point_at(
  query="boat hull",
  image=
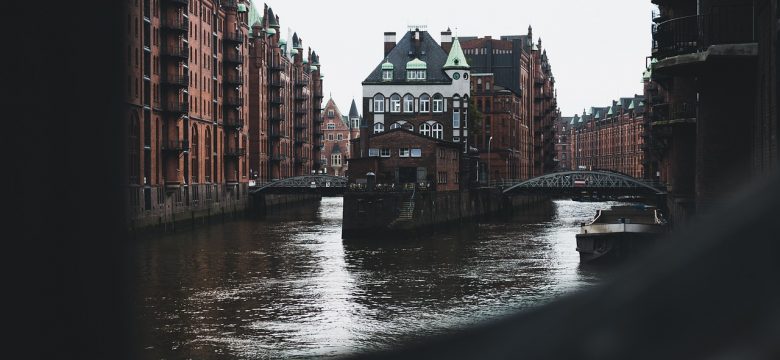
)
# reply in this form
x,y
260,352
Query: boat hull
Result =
x,y
613,246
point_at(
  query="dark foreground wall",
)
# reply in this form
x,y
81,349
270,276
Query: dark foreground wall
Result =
x,y
379,214
266,203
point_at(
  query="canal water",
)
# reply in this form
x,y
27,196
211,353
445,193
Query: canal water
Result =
x,y
287,286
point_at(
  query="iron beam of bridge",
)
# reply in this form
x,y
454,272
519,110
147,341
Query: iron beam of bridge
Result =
x,y
323,184
569,182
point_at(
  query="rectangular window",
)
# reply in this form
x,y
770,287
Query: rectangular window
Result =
x,y
331,126
403,152
373,152
387,75
339,137
442,177
456,139
330,137
416,152
456,119
384,152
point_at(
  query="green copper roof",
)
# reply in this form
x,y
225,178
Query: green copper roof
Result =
x,y
631,106
387,65
254,17
282,41
241,7
610,111
294,52
641,103
598,114
456,59
272,19
314,68
416,64
271,31
305,61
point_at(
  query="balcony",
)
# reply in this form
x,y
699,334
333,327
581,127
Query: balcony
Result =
x,y
275,83
233,79
234,123
232,58
178,25
234,101
234,152
674,113
301,97
176,80
175,145
236,37
276,100
177,107
689,34
276,118
301,126
178,52
301,83
276,67
301,110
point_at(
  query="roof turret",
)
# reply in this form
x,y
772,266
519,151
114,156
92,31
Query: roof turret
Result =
x,y
456,59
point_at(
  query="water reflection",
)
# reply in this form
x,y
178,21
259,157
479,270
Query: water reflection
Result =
x,y
287,286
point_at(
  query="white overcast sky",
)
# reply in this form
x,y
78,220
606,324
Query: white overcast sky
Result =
x,y
597,48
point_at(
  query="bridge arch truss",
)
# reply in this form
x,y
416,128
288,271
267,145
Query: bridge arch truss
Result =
x,y
305,183
576,181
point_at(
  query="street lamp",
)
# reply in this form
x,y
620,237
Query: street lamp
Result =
x,y
488,177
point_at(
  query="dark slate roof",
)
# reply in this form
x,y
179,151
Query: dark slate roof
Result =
x,y
272,19
353,112
430,52
345,120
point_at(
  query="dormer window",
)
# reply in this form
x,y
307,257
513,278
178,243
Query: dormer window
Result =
x,y
415,75
387,75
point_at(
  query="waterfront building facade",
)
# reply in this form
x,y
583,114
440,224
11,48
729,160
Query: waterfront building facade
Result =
x,y
714,109
517,105
336,135
286,85
562,143
610,138
186,85
418,87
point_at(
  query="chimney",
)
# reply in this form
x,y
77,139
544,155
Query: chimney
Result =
x,y
446,40
389,42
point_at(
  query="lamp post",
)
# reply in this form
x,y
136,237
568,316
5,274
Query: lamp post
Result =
x,y
488,177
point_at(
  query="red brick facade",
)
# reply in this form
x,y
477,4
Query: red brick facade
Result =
x,y
398,157
336,134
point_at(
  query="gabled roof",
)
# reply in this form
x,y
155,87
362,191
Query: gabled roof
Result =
x,y
412,133
430,52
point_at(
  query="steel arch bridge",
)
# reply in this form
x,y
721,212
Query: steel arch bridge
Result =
x,y
323,184
570,182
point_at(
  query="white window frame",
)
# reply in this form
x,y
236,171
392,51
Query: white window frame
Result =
x,y
425,103
395,103
437,131
373,152
403,152
395,125
387,75
384,152
416,153
379,127
379,104
425,129
438,103
455,118
408,103
339,136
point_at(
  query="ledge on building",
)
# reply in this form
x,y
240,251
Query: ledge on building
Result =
x,y
685,62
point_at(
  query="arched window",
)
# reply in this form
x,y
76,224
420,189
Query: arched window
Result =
x,y
438,103
438,131
408,126
207,155
395,103
425,129
379,127
425,103
194,155
379,103
395,125
408,103
135,160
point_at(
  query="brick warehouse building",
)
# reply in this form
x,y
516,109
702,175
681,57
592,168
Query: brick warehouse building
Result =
x,y
610,138
185,91
515,96
714,103
286,86
337,131
419,87
213,105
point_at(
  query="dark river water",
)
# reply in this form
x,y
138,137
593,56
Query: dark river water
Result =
x,y
287,286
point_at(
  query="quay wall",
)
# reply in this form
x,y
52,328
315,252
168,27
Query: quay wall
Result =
x,y
378,214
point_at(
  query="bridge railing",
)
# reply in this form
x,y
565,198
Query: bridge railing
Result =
x,y
392,187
